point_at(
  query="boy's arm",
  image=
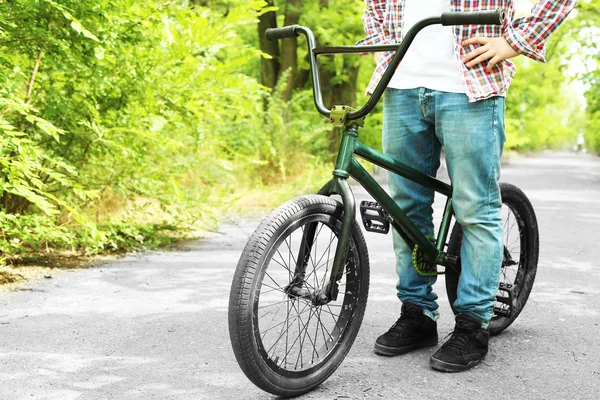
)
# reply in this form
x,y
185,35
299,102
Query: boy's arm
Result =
x,y
525,35
373,23
528,35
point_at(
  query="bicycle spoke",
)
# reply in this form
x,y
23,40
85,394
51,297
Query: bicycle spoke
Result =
x,y
287,321
312,360
331,238
273,280
303,336
273,289
299,358
306,326
327,265
272,319
315,242
299,320
318,264
512,244
274,346
293,343
286,332
314,272
324,329
332,314
289,246
272,304
291,274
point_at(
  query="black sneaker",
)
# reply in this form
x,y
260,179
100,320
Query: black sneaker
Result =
x,y
467,346
413,330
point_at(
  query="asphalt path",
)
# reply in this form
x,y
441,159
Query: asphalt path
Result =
x,y
154,326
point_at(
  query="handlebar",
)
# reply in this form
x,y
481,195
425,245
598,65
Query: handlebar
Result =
x,y
281,33
495,17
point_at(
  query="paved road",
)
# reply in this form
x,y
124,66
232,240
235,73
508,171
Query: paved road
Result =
x,y
155,326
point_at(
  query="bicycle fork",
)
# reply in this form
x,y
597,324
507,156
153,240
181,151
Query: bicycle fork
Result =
x,y
338,185
330,290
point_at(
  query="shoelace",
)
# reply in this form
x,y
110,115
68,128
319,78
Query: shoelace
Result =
x,y
459,339
402,323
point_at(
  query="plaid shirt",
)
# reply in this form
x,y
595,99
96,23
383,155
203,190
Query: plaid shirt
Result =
x,y
382,20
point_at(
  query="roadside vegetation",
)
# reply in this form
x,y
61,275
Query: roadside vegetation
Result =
x,y
130,125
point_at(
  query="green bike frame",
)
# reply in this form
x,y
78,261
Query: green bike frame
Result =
x,y
347,166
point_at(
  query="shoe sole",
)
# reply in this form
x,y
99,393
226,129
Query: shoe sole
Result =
x,y
444,366
398,351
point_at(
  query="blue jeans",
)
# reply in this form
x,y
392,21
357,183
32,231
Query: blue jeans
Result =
x,y
416,124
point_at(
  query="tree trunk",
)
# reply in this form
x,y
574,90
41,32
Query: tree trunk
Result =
x,y
289,47
269,68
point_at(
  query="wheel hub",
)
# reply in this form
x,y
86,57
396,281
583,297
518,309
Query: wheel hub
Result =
x,y
317,297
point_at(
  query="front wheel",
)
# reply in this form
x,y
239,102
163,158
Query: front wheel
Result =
x,y
285,340
519,264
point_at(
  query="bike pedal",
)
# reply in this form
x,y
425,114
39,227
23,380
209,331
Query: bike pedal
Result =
x,y
507,300
374,217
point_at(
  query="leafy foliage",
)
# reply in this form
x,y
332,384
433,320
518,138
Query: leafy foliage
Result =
x,y
111,104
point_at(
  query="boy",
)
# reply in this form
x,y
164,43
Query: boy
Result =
x,y
449,91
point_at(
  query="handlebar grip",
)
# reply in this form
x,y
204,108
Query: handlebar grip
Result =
x,y
495,17
281,33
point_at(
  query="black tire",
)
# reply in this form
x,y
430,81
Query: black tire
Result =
x,y
261,313
520,256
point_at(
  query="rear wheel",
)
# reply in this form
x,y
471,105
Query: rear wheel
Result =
x,y
285,338
519,265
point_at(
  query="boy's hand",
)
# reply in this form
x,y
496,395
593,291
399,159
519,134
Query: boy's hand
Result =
x,y
497,49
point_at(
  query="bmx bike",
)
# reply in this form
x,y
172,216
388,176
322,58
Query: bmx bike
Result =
x,y
300,289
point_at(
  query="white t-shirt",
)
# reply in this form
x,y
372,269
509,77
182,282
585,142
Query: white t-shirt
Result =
x,y
430,61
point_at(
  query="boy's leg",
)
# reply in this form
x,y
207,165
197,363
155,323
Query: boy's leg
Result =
x,y
409,136
473,138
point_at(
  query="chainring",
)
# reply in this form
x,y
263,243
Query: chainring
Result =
x,y
424,268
